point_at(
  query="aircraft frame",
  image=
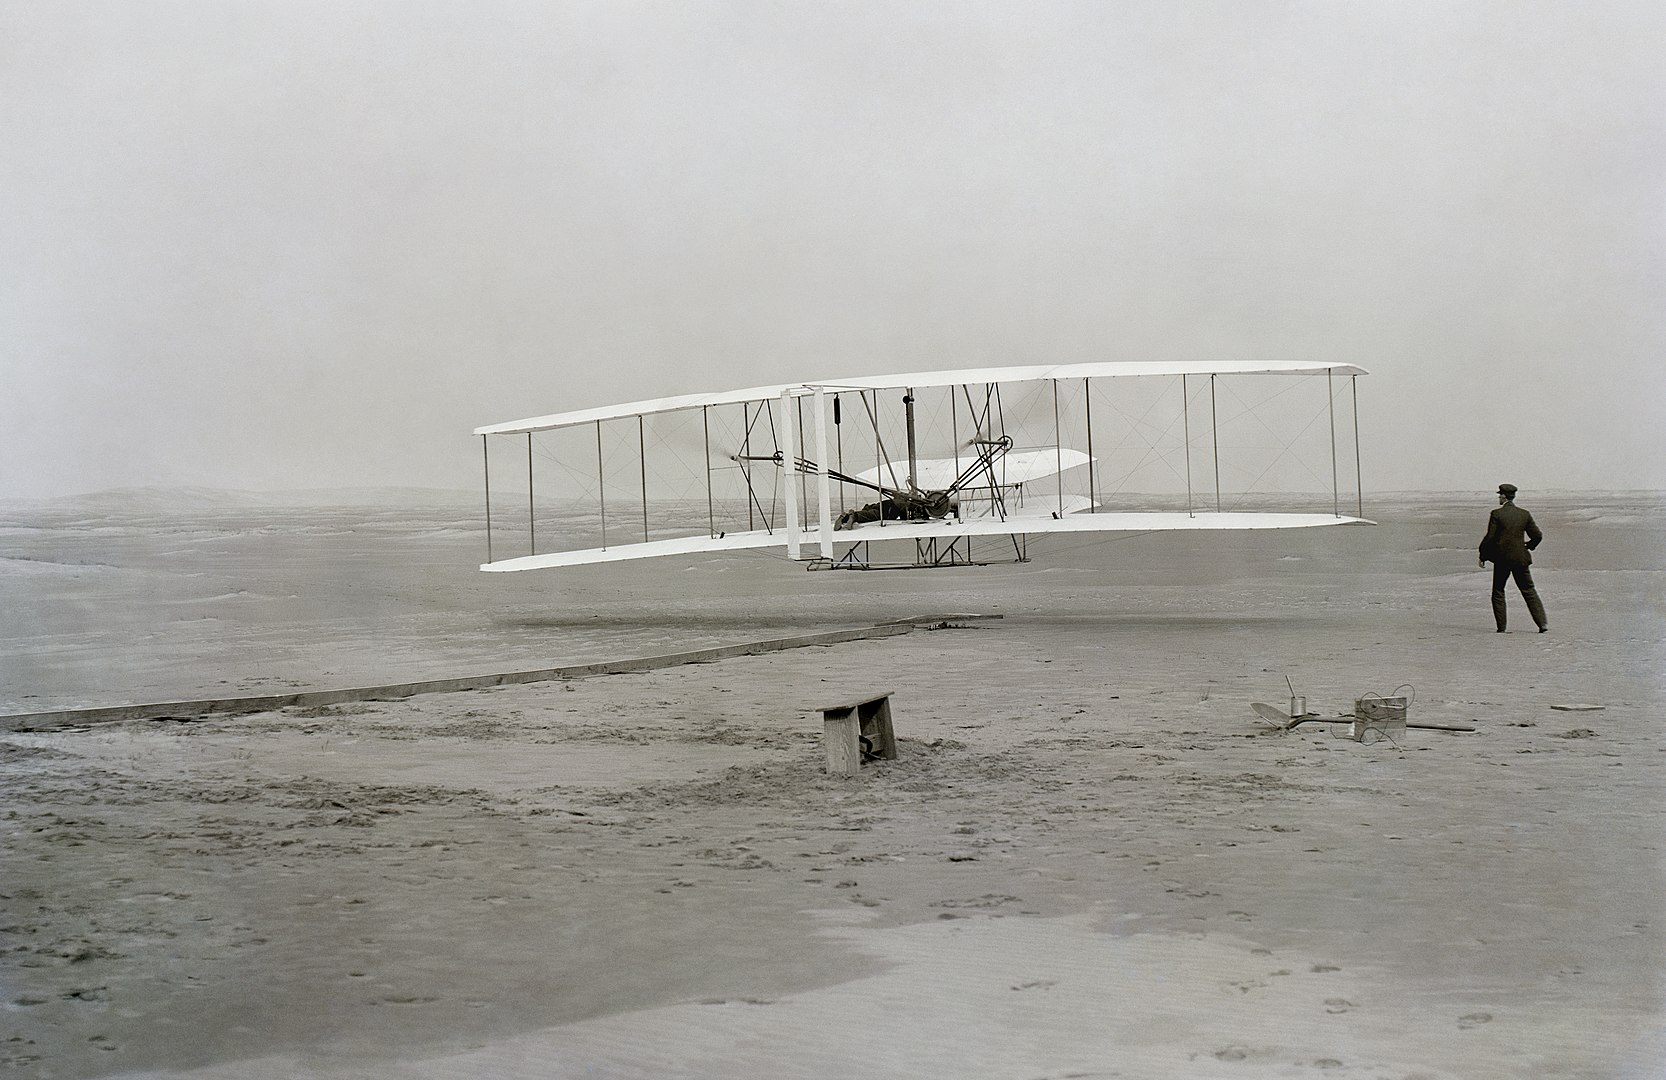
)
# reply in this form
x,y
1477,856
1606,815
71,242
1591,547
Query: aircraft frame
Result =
x,y
792,447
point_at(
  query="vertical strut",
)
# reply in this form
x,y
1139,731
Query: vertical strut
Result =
x,y
878,453
1058,448
642,459
954,430
1359,477
839,439
601,483
706,432
531,505
1087,397
746,451
1335,490
1215,434
1186,420
803,492
789,462
824,498
486,458
908,417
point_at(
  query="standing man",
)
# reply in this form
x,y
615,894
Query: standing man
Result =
x,y
1511,535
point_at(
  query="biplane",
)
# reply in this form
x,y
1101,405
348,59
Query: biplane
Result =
x,y
931,469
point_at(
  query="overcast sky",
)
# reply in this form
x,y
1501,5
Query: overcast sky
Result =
x,y
310,244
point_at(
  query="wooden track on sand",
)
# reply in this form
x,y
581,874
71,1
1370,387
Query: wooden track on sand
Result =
x,y
183,710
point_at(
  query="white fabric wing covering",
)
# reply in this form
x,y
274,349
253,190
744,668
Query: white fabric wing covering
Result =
x,y
968,376
1016,467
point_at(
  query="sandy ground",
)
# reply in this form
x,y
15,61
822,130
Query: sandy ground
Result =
x,y
1089,860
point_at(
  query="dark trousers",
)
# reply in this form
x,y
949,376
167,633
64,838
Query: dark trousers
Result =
x,y
1501,573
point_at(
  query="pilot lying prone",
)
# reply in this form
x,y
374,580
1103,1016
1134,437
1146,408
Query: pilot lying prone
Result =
x,y
922,507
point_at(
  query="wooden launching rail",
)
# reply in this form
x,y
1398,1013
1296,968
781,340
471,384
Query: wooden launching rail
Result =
x,y
57,718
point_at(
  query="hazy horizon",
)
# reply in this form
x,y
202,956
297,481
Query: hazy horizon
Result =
x,y
303,497
280,246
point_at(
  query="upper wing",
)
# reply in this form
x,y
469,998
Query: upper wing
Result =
x,y
1107,370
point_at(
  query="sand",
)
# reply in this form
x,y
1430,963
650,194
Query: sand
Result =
x,y
1090,859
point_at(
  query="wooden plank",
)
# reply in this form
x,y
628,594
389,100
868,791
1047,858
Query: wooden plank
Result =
x,y
847,702
841,739
37,721
875,718
857,731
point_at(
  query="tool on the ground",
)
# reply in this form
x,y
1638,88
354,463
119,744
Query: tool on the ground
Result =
x,y
1273,715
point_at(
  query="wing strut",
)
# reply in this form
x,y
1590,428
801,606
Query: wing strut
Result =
x,y
1186,415
752,500
908,416
1087,399
1335,489
642,458
486,458
1215,434
824,498
706,435
1058,445
601,483
789,482
1359,476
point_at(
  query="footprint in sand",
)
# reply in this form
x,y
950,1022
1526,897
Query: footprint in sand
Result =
x,y
1473,1020
1338,1005
94,993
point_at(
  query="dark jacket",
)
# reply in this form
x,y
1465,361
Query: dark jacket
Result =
x,y
1511,534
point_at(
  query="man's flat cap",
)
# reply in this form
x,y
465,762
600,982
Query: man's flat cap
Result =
x,y
1506,489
